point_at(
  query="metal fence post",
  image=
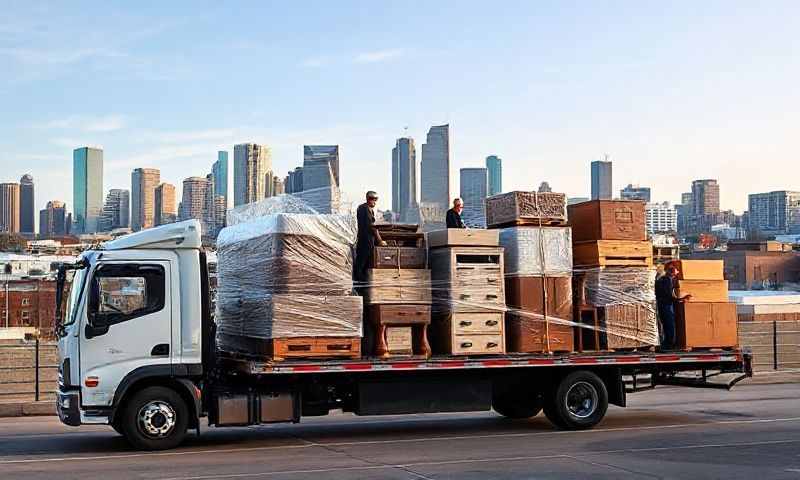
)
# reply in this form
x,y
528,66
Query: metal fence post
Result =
x,y
36,367
775,344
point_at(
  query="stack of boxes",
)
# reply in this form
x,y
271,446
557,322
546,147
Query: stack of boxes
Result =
x,y
538,270
468,292
398,296
707,319
614,278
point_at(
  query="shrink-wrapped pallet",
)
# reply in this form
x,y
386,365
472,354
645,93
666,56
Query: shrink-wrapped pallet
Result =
x,y
537,251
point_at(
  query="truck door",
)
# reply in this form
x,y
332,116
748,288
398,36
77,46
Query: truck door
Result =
x,y
128,326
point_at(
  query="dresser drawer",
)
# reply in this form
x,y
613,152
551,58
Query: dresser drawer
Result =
x,y
472,323
477,344
399,257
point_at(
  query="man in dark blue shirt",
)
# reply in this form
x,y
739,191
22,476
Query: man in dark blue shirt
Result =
x,y
666,298
453,218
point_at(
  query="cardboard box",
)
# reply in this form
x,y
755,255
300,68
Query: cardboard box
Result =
x,y
608,220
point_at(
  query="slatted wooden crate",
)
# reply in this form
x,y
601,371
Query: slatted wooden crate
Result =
x,y
526,208
607,253
608,220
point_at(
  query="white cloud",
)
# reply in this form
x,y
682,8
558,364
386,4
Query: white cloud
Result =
x,y
379,55
34,56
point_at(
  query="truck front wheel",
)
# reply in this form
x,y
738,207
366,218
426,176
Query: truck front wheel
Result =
x,y
155,418
579,402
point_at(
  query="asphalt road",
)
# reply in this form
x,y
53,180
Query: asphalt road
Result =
x,y
750,432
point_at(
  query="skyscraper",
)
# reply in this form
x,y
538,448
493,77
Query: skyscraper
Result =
x,y
494,168
435,174
329,153
474,186
27,206
9,207
197,202
165,204
775,212
705,197
143,197
53,220
635,192
294,181
660,218
320,191
87,188
601,180
404,177
116,210
544,187
220,172
251,162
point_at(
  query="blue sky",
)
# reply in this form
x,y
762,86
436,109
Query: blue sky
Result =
x,y
672,91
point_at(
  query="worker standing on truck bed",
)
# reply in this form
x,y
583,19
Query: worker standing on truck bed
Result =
x,y
368,237
453,218
666,298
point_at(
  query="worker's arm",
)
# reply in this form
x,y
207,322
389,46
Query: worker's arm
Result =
x,y
675,295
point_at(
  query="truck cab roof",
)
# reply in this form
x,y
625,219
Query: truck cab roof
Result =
x,y
180,235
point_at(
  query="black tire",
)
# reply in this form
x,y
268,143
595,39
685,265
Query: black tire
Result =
x,y
549,407
117,427
578,403
156,408
517,407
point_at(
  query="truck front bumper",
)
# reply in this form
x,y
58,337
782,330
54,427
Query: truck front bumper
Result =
x,y
68,408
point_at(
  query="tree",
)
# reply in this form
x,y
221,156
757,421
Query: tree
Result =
x,y
12,242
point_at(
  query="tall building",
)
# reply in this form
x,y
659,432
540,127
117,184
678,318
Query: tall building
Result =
x,y
116,210
9,207
328,153
53,220
193,201
660,218
435,168
294,181
775,212
474,187
277,187
251,162
165,204
635,192
544,187
87,188
220,172
404,177
601,180
27,206
494,168
143,197
320,191
705,197
220,208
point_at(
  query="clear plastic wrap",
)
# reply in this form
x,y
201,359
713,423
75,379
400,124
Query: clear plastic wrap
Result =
x,y
537,250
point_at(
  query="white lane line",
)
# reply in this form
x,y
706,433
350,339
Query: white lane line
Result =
x,y
484,460
399,441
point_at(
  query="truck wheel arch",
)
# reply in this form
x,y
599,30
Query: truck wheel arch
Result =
x,y
158,375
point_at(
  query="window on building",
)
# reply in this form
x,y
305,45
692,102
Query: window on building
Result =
x,y
25,316
26,301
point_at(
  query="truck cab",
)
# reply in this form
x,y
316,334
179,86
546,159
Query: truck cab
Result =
x,y
131,337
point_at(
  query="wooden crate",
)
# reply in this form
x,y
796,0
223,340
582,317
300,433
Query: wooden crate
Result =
x,y
704,290
526,208
608,220
463,237
706,325
397,330
400,257
468,278
387,286
699,269
526,332
278,349
468,333
628,326
607,253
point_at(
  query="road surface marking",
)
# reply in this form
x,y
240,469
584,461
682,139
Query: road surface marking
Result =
x,y
400,440
404,466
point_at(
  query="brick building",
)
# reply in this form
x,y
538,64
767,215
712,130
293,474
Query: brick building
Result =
x,y
28,303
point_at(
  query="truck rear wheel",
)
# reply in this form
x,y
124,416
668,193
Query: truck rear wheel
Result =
x,y
517,406
579,401
155,418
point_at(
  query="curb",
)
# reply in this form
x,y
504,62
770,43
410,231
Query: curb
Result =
x,y
27,409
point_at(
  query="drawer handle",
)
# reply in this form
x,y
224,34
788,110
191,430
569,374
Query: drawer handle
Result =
x,y
465,323
466,344
491,295
491,323
465,295
339,347
387,257
491,345
491,279
299,348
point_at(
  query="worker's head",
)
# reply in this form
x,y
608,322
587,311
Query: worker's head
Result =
x,y
372,198
458,205
672,271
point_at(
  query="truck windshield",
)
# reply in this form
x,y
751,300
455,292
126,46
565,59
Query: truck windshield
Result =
x,y
75,291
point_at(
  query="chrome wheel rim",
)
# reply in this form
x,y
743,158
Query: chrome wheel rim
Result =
x,y
582,399
156,419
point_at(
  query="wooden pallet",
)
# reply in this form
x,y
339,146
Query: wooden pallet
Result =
x,y
609,253
315,347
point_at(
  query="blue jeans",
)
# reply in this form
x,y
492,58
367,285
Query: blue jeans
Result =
x,y
666,312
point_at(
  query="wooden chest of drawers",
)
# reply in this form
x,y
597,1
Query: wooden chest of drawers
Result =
x,y
468,333
400,257
398,286
468,279
397,330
